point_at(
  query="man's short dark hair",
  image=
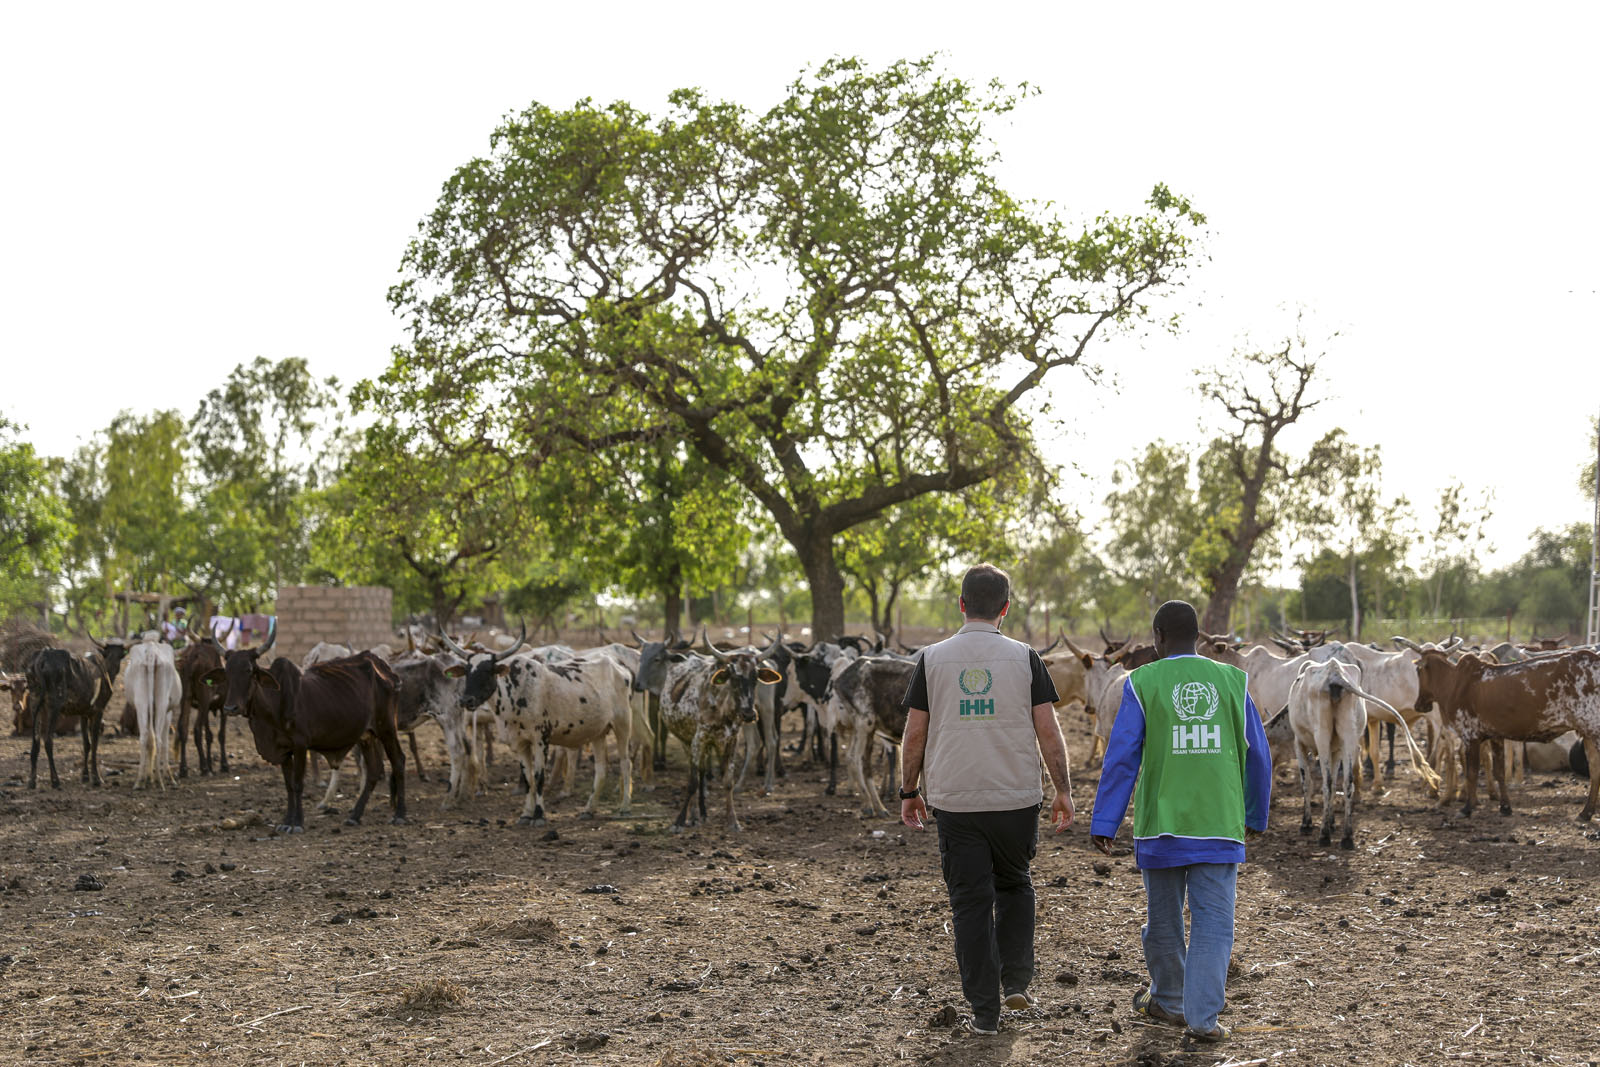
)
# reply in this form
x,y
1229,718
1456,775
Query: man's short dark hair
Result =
x,y
986,589
1177,620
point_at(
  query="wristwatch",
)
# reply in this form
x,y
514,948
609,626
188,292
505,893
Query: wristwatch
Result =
x,y
910,794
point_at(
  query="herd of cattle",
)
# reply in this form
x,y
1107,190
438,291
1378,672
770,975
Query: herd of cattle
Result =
x,y
1325,701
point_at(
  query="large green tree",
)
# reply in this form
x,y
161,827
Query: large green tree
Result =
x,y
835,302
1154,518
34,526
1248,486
262,439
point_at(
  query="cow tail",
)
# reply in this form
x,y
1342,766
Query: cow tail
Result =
x,y
1418,760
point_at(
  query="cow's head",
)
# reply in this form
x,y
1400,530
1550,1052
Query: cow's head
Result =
x,y
655,659
813,669
112,653
1436,677
742,671
480,669
240,674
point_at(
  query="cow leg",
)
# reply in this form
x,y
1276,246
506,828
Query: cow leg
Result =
x,y
33,767
1388,766
326,803
533,756
1302,759
183,742
93,723
599,775
1329,770
287,826
1499,757
1348,841
1469,773
369,779
769,728
222,740
1592,750
416,757
682,820
200,723
833,763
626,768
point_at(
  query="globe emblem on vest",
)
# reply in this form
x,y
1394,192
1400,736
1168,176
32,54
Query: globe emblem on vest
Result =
x,y
975,681
1195,701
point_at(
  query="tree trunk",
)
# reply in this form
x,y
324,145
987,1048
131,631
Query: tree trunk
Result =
x,y
826,582
1218,618
672,601
1355,601
872,604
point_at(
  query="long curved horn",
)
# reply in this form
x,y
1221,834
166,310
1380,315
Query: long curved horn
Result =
x,y
1121,650
636,636
453,647
1110,644
512,651
713,649
1453,642
1051,647
411,642
98,646
1406,642
272,638
1074,649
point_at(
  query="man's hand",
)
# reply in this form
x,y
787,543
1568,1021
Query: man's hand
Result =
x,y
1061,810
914,813
1102,843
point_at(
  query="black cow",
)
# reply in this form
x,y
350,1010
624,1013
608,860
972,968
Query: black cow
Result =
x,y
60,683
329,709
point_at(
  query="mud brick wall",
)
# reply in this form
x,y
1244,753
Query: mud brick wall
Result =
x,y
311,613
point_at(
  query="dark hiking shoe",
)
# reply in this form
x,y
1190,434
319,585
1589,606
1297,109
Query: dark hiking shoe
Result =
x,y
972,1026
1209,1037
1020,1001
1145,1005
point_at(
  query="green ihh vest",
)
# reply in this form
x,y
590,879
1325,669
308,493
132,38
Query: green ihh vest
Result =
x,y
1191,776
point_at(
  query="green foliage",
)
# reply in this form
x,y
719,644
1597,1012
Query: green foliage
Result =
x,y
1155,520
833,303
432,525
260,439
1350,517
34,525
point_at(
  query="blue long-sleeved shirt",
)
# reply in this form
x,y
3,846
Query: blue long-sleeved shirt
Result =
x,y
1124,753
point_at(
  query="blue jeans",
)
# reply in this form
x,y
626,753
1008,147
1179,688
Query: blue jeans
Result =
x,y
1190,980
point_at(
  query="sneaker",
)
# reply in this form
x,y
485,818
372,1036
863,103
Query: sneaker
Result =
x,y
1020,1001
1145,1005
1211,1036
972,1026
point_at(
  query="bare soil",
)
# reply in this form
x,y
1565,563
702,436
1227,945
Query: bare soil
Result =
x,y
813,937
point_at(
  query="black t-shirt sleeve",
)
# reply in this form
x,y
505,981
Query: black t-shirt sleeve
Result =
x,y
917,691
1043,686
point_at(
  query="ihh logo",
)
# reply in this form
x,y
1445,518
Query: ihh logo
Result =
x,y
1196,738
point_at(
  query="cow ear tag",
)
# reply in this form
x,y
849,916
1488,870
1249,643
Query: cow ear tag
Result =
x,y
721,677
768,676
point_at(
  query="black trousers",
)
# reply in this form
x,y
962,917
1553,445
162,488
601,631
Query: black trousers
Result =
x,y
985,857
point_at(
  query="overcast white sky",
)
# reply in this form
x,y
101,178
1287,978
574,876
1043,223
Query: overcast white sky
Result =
x,y
188,186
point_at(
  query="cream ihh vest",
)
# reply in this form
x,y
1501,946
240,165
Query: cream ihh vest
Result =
x,y
982,754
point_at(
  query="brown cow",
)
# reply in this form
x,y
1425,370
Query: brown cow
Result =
x,y
1538,700
329,709
195,662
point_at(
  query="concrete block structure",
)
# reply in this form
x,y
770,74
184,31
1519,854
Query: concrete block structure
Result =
x,y
311,613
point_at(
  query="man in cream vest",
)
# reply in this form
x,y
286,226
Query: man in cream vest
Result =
x,y
980,711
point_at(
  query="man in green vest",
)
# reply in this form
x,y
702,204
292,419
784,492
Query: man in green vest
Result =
x,y
1189,733
980,711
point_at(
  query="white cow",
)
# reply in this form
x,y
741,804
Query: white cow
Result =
x,y
154,689
537,704
1328,714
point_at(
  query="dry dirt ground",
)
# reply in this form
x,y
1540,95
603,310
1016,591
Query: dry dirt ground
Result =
x,y
813,937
